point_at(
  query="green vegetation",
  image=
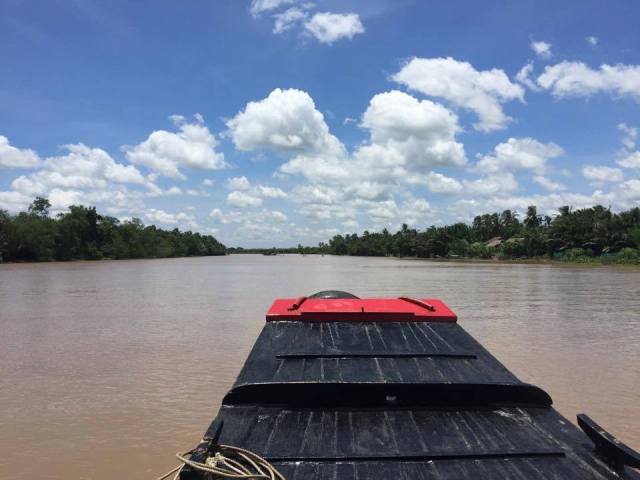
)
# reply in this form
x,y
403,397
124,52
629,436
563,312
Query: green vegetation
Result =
x,y
83,234
590,235
586,235
276,251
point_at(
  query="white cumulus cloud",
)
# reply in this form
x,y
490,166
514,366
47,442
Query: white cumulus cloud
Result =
x,y
493,184
326,27
541,49
631,192
255,225
14,201
329,27
319,168
629,157
630,160
261,6
82,167
482,92
630,135
13,157
599,174
438,183
271,192
275,215
407,136
407,139
523,77
243,200
250,192
576,79
238,183
193,146
162,217
318,194
290,18
520,153
285,121
549,184
410,132
368,190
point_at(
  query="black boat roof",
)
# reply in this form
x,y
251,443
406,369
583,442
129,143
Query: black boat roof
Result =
x,y
371,397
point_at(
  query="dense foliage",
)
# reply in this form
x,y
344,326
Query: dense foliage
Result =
x,y
573,235
286,250
82,233
584,235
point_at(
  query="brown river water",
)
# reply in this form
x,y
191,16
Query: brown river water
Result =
x,y
109,368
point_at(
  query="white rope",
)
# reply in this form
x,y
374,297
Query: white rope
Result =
x,y
228,462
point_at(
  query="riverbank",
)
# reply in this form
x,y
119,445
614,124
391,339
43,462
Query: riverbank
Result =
x,y
84,234
629,256
583,260
104,259
522,261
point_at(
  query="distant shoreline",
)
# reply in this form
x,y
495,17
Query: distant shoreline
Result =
x,y
529,261
99,260
593,261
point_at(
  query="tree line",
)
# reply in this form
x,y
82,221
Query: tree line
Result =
x,y
581,235
578,235
573,235
83,234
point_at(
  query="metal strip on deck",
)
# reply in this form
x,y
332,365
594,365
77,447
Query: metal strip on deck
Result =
x,y
424,457
374,354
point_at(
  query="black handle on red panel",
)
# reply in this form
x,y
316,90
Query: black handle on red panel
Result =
x,y
420,303
297,304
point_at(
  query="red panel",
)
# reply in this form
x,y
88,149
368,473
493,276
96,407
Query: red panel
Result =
x,y
366,309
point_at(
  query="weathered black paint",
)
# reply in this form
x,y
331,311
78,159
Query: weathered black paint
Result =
x,y
396,400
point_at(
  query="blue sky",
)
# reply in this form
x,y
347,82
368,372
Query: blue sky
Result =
x,y
275,122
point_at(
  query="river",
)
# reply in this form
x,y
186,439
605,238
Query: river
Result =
x,y
109,368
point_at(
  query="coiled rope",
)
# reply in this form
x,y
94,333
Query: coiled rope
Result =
x,y
228,462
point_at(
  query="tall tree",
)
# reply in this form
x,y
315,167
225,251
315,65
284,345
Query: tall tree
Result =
x,y
40,206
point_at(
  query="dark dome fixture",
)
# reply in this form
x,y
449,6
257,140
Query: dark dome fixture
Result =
x,y
333,294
